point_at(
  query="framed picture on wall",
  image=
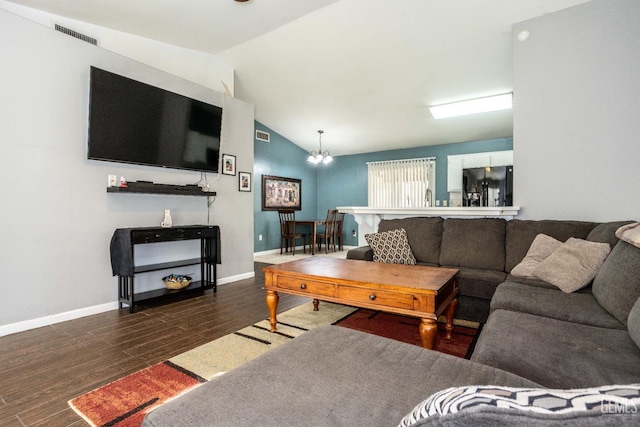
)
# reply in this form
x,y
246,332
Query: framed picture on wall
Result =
x,y
281,193
228,164
244,181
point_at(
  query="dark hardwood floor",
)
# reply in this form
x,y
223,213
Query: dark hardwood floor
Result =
x,y
41,369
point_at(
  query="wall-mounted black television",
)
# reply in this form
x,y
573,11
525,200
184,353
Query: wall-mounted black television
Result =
x,y
133,122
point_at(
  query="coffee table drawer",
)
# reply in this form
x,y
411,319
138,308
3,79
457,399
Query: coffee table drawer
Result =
x,y
383,298
307,286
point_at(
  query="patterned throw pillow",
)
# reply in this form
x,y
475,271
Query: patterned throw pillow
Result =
x,y
391,247
612,399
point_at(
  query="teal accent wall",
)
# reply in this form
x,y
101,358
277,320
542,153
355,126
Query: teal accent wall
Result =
x,y
341,183
280,157
344,182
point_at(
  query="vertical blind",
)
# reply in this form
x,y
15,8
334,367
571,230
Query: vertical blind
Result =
x,y
402,183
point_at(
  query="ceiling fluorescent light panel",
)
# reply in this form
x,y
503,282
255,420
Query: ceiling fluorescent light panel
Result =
x,y
473,106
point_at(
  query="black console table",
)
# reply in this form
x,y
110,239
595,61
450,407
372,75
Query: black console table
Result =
x,y
122,261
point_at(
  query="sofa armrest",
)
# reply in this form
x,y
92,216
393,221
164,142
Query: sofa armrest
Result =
x,y
364,253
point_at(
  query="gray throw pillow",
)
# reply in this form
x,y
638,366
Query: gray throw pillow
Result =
x,y
541,247
573,265
391,247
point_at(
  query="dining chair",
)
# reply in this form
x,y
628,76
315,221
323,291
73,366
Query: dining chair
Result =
x,y
288,235
339,222
328,233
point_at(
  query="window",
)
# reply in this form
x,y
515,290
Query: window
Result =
x,y
402,183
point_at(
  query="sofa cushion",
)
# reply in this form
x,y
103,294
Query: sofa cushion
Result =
x,y
633,322
532,281
472,309
327,376
424,235
364,253
391,247
473,243
541,247
477,282
606,232
617,284
460,405
556,353
520,234
571,307
573,265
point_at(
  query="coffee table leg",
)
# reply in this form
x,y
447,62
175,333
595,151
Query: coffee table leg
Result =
x,y
315,304
272,304
450,312
428,333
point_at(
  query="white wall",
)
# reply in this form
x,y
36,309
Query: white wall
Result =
x,y
57,217
577,113
199,67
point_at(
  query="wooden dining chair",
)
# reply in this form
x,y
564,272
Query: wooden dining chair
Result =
x,y
288,235
337,237
328,233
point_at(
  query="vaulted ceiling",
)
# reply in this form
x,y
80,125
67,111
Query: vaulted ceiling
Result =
x,y
364,71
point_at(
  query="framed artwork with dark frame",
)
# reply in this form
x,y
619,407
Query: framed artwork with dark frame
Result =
x,y
281,193
228,164
244,181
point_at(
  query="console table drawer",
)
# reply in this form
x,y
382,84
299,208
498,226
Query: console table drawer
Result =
x,y
310,286
387,299
168,235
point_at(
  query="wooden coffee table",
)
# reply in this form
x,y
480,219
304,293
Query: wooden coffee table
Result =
x,y
411,290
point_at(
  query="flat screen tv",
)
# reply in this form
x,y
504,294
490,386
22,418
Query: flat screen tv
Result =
x,y
133,122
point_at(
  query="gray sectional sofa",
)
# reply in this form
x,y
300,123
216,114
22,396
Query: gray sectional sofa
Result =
x,y
581,339
544,356
485,250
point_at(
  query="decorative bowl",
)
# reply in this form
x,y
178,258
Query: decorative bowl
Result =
x,y
176,281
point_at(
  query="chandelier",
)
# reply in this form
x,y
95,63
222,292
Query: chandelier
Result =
x,y
320,156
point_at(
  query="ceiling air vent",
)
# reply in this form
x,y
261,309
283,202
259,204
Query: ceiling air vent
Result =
x,y
263,136
76,34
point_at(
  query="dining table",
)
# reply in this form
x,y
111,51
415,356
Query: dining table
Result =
x,y
313,225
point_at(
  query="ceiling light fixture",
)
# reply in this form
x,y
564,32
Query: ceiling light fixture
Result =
x,y
473,106
320,156
523,35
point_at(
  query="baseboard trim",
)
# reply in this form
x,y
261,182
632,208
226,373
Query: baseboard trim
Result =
x,y
40,322
56,318
237,277
269,252
277,251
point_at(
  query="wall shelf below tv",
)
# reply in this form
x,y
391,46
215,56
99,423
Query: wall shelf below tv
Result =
x,y
151,188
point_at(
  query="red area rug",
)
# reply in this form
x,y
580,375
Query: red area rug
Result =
x,y
125,402
405,329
